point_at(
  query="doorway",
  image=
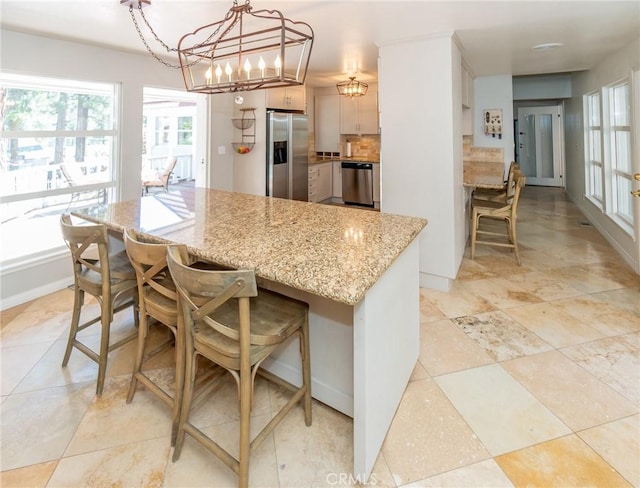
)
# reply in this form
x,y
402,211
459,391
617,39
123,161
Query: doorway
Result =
x,y
174,124
539,144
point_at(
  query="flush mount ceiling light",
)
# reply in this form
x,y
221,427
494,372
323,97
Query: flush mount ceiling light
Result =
x,y
547,45
247,50
352,87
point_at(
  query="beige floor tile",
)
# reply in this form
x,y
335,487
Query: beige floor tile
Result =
x,y
458,301
428,311
585,279
32,327
35,476
419,373
575,396
9,314
606,317
37,426
626,299
198,467
561,462
501,293
439,442
312,455
541,285
502,413
110,421
474,270
444,348
615,361
485,474
500,336
16,363
538,260
504,264
618,443
553,324
136,464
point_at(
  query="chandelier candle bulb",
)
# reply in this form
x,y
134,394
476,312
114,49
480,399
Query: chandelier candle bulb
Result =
x,y
278,65
208,76
262,66
218,73
247,68
228,71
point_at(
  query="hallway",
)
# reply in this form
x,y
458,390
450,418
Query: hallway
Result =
x,y
527,376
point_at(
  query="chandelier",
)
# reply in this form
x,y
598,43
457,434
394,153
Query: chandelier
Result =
x,y
247,50
352,88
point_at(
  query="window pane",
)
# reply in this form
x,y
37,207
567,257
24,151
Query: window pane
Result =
x,y
621,108
624,202
594,146
594,110
622,160
36,164
596,178
33,110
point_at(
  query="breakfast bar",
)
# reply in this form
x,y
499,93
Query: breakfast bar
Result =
x,y
357,269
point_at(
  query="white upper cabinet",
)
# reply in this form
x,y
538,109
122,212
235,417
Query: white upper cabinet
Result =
x,y
359,115
287,98
327,122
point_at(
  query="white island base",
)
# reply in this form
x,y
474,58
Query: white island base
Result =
x,y
362,356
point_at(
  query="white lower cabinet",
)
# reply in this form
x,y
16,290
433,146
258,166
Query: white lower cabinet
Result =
x,y
337,179
320,182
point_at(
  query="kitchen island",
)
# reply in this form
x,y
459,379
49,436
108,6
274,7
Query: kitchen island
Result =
x,y
357,269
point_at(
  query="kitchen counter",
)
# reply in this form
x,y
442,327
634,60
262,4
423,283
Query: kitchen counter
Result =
x,y
358,270
331,251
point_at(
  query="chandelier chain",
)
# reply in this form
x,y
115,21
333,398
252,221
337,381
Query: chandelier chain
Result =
x,y
144,41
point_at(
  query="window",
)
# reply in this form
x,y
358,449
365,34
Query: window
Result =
x,y
594,151
619,135
608,152
185,130
57,140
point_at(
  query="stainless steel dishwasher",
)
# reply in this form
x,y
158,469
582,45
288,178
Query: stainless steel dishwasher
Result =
x,y
357,183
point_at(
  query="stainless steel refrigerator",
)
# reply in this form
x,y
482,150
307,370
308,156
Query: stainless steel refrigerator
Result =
x,y
287,155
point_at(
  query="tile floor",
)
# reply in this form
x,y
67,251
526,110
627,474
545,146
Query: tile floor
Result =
x,y
527,376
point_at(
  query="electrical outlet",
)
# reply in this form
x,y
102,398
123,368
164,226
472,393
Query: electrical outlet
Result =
x,y
222,150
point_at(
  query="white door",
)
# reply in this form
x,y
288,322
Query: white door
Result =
x,y
540,153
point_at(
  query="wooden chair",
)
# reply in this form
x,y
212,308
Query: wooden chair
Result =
x,y
161,180
497,211
158,301
503,194
109,278
229,322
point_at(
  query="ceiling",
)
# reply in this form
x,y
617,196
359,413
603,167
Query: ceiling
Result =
x,y
495,37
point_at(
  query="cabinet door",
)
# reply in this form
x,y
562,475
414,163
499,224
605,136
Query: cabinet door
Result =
x,y
336,180
368,113
286,98
359,115
349,114
324,181
376,183
327,123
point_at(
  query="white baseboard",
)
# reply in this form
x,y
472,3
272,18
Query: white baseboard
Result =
x,y
34,293
434,282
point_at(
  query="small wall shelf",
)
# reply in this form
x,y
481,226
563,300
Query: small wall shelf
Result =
x,y
244,124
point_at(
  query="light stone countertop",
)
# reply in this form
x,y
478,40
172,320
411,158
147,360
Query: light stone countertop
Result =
x,y
335,252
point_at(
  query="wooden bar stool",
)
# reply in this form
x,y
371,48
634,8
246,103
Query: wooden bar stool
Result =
x,y
158,301
229,322
497,211
109,278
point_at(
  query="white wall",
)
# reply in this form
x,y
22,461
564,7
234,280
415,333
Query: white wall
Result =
x,y
33,55
494,92
543,87
613,68
420,119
